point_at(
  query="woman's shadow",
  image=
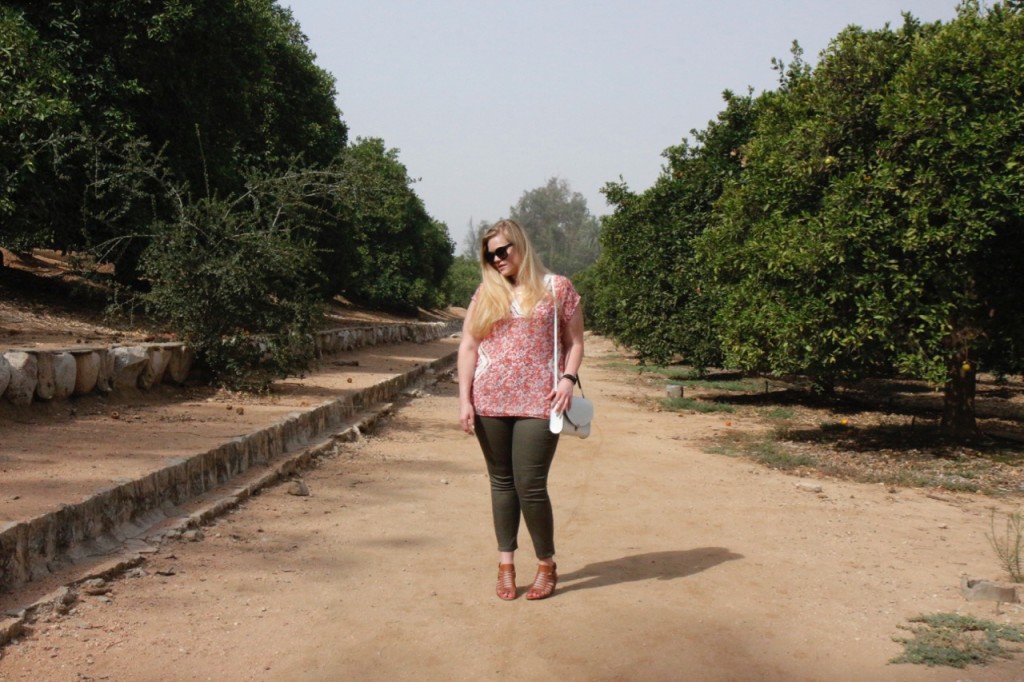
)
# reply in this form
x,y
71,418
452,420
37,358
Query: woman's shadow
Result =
x,y
651,566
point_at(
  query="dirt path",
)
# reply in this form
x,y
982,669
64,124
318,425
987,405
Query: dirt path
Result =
x,y
675,565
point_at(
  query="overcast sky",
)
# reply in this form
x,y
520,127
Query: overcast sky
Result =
x,y
487,99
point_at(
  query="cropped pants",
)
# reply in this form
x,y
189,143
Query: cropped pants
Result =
x,y
518,452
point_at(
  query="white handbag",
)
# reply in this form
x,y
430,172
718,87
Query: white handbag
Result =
x,y
577,419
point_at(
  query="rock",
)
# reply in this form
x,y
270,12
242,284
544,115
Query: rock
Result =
x,y
22,384
105,375
809,487
180,364
983,590
298,488
96,586
5,374
65,372
63,600
193,535
674,391
129,363
87,371
153,372
45,385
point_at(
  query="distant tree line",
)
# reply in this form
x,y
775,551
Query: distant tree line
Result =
x,y
196,146
864,218
562,230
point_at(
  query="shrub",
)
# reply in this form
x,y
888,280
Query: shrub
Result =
x,y
1009,546
237,281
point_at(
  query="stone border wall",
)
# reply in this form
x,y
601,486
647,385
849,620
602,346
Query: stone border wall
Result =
x,y
29,549
30,375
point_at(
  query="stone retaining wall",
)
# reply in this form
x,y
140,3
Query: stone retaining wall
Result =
x,y
30,375
30,549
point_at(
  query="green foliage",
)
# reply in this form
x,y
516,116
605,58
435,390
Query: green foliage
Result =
x,y
35,106
651,293
462,281
222,88
769,454
799,291
680,404
1009,545
560,225
236,279
957,641
743,386
862,219
402,254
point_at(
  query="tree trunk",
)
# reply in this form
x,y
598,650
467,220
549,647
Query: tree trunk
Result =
x,y
958,416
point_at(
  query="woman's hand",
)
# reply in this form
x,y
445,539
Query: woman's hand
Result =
x,y
467,417
561,396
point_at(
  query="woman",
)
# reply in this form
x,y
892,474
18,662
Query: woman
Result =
x,y
506,394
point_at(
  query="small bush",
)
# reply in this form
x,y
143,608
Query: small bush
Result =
x,y
1009,545
956,641
235,281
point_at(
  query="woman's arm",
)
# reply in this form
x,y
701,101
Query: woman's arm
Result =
x,y
572,341
468,348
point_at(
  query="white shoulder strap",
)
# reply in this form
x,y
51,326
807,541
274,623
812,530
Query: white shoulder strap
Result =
x,y
554,299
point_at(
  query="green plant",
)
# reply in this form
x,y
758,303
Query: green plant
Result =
x,y
742,386
780,413
1009,545
694,405
237,281
954,640
771,455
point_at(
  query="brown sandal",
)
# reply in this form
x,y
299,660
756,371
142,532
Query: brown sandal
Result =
x,y
544,584
507,582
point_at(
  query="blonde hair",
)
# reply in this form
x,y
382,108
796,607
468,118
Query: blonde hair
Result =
x,y
494,299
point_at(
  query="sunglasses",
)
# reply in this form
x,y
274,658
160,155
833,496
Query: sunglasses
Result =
x,y
500,253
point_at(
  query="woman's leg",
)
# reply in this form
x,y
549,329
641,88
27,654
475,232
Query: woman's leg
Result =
x,y
495,437
533,449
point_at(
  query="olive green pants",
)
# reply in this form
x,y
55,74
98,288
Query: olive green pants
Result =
x,y
518,452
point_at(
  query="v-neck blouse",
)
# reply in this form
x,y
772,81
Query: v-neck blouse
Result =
x,y
513,375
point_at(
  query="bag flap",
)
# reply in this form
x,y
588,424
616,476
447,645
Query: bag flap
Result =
x,y
581,412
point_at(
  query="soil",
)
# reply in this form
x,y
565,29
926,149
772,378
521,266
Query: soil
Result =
x,y
676,561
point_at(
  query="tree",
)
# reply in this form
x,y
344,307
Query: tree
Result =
x,y
875,227
236,279
794,298
220,88
401,254
948,187
462,281
560,226
36,107
647,289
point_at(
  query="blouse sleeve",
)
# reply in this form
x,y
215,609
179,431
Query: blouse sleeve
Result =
x,y
568,299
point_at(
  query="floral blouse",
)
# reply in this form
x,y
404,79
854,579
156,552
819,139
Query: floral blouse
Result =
x,y
513,370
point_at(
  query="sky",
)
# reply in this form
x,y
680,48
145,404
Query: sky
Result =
x,y
486,100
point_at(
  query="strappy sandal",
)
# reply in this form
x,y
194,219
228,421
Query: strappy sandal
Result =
x,y
506,588
544,584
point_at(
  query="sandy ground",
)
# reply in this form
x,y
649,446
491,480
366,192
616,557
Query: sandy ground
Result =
x,y
675,564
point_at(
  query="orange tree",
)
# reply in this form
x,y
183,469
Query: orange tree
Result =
x,y
646,289
877,226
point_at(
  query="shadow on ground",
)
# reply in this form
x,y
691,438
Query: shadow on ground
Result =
x,y
651,566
